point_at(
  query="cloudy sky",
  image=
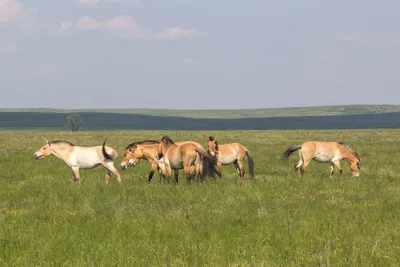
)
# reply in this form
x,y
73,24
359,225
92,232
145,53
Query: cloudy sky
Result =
x,y
192,54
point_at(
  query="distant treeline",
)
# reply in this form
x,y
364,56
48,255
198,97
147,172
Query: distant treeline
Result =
x,y
112,121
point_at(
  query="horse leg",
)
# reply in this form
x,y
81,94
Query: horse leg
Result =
x,y
154,167
305,164
332,168
241,168
337,164
176,176
77,177
108,176
110,166
237,169
168,171
219,166
188,171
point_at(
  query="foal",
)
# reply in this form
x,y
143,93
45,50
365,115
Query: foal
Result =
x,y
77,157
324,152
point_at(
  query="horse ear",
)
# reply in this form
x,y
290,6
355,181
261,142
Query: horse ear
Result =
x,y
48,143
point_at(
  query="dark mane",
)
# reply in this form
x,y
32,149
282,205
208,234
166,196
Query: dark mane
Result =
x,y
142,143
210,138
355,154
166,139
55,142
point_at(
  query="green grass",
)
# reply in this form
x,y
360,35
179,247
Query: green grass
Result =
x,y
237,113
274,220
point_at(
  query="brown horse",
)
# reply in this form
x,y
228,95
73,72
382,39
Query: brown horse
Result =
x,y
232,153
148,150
193,159
77,157
324,152
136,151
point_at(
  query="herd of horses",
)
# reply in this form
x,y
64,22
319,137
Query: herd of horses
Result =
x,y
166,155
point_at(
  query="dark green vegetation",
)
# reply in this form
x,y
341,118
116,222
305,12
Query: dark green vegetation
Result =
x,y
74,122
272,220
114,121
235,113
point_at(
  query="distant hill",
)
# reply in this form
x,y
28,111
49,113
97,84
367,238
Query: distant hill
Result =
x,y
236,113
115,121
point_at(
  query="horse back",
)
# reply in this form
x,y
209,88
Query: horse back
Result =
x,y
232,148
317,147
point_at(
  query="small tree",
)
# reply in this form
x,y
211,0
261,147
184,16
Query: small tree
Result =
x,y
74,122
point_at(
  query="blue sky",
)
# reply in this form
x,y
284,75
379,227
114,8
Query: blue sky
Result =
x,y
190,54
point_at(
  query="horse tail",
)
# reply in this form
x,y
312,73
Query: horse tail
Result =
x,y
250,163
208,163
289,151
105,154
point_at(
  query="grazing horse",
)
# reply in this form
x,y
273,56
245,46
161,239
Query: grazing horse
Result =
x,y
324,152
78,157
193,159
226,154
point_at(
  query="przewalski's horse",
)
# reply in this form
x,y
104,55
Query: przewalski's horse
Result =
x,y
79,157
324,152
232,153
193,159
146,150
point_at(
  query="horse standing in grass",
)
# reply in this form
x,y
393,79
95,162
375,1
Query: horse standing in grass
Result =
x,y
232,153
78,157
194,160
148,150
324,152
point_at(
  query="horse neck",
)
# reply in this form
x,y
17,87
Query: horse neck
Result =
x,y
60,152
165,147
149,151
348,156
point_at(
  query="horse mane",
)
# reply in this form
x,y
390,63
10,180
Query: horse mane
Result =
x,y
355,154
142,143
166,139
61,142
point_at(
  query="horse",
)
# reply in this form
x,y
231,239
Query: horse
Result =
x,y
193,159
147,150
77,157
324,152
227,154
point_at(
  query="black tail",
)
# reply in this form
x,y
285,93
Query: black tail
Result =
x,y
208,164
289,151
103,150
250,162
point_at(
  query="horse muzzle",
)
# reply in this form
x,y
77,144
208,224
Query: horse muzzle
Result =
x,y
36,156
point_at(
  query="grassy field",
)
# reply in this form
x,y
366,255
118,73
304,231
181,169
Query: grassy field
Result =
x,y
275,219
237,113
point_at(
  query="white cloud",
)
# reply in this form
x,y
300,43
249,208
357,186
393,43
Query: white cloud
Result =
x,y
177,32
93,3
65,25
119,23
13,10
127,26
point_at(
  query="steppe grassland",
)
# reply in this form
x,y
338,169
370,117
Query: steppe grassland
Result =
x,y
275,219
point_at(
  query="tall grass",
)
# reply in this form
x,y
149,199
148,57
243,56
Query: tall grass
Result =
x,y
275,219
